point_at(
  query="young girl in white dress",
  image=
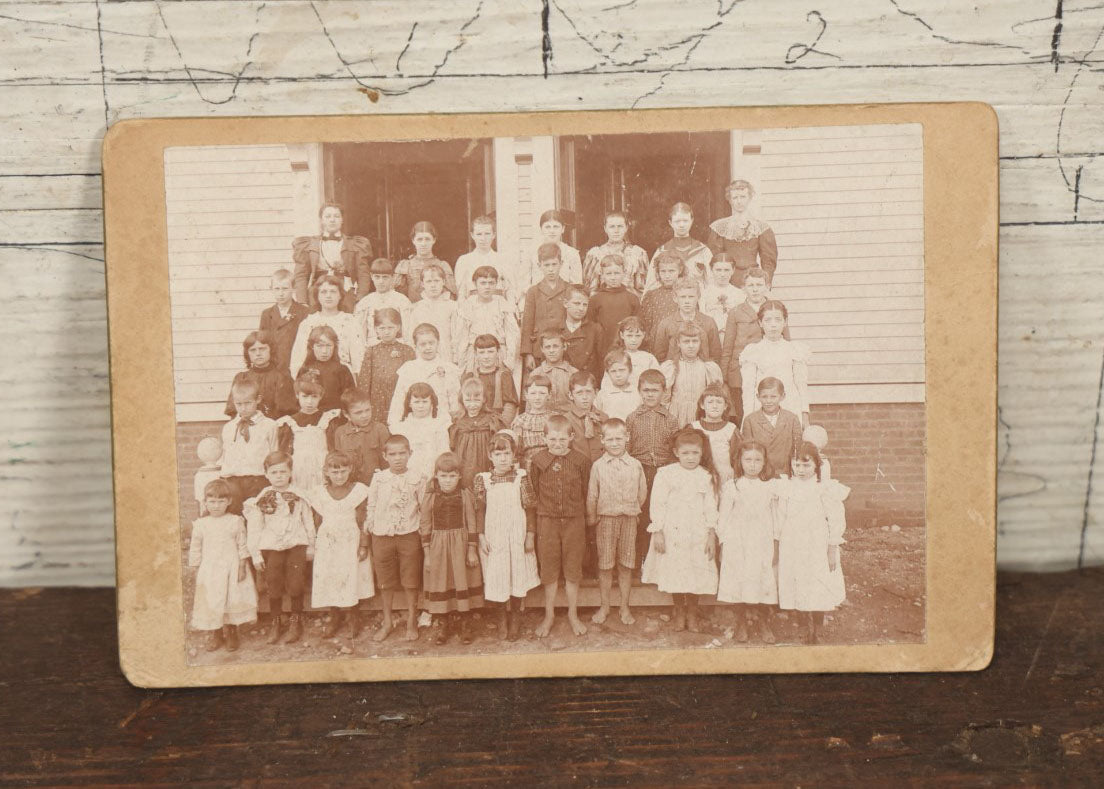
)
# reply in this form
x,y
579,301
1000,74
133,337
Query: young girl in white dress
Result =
x,y
342,575
688,374
724,439
303,434
680,558
424,427
748,530
630,336
225,596
774,356
810,531
347,327
506,520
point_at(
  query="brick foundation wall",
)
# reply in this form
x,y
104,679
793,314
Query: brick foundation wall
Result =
x,y
876,449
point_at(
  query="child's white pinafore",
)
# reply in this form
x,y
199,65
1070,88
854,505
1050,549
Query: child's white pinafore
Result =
x,y
217,548
308,450
508,571
685,509
810,518
747,530
339,577
720,446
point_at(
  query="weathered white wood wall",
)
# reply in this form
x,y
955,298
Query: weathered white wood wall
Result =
x,y
69,68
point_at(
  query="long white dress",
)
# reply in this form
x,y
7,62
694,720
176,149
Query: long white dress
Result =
x,y
810,518
428,440
217,548
786,360
508,571
748,528
684,508
308,449
350,339
720,446
339,577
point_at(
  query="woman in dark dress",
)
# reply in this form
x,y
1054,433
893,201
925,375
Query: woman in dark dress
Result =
x,y
332,252
749,241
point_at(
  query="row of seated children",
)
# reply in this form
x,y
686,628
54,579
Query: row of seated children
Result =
x,y
557,457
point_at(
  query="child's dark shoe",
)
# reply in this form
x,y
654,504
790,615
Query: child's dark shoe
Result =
x,y
465,628
356,623
440,630
333,627
214,641
295,629
276,628
231,635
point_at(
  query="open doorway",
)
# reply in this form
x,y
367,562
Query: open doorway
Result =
x,y
642,175
385,187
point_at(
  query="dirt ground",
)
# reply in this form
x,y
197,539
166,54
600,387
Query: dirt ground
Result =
x,y
883,569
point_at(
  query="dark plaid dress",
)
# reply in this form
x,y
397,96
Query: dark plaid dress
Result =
x,y
448,526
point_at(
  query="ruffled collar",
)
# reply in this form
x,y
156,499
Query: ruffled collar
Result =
x,y
742,227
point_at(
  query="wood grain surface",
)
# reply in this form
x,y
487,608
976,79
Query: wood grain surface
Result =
x,y
71,68
1032,718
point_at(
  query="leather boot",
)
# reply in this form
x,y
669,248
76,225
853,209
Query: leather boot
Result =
x,y
231,635
440,629
295,628
333,627
356,622
276,628
214,640
465,628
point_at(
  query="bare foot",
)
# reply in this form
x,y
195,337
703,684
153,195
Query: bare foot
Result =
x,y
545,627
384,631
626,616
411,632
600,615
578,627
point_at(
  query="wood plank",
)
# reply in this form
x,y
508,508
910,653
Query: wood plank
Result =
x,y
242,214
838,224
247,168
791,210
277,230
775,146
226,153
781,196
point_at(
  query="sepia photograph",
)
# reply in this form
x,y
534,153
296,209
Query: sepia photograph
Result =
x,y
540,394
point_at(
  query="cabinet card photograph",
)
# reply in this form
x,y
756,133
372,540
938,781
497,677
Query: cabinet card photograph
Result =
x,y
555,394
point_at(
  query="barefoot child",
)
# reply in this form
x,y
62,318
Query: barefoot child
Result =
x,y
561,478
555,368
282,319
724,438
505,520
618,396
274,385
615,495
379,372
342,574
431,368
451,578
361,437
810,531
383,297
470,435
688,375
392,519
684,523
499,392
303,434
529,426
651,427
772,426
543,304
280,538
741,330
224,593
425,427
775,356
748,530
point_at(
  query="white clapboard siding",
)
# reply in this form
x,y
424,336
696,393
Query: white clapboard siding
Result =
x,y
230,224
846,205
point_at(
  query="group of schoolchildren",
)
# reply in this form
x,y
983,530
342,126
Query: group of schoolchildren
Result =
x,y
379,443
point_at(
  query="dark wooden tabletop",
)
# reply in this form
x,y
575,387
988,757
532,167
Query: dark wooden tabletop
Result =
x,y
1036,716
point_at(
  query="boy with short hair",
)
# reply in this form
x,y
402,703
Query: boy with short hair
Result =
x,y
543,303
741,330
583,339
531,424
561,479
618,397
651,426
499,393
279,526
282,319
436,307
613,301
773,426
428,367
615,495
659,302
485,313
393,508
555,368
384,295
247,440
361,437
585,420
483,234
687,296
718,295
